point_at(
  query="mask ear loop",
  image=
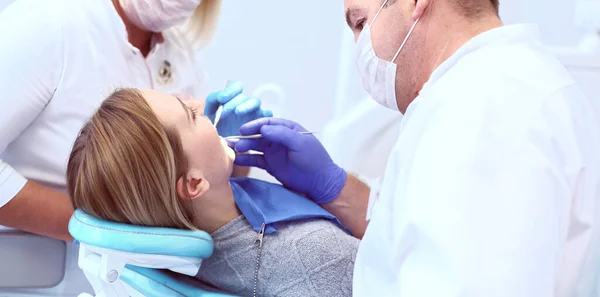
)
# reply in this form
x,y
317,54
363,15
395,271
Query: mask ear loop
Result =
x,y
405,39
377,14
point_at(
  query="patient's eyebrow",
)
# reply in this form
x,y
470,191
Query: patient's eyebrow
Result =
x,y
354,13
185,108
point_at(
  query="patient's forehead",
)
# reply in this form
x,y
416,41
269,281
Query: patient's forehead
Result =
x,y
167,107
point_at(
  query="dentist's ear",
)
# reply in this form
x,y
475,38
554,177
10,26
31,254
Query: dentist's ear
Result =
x,y
420,6
191,187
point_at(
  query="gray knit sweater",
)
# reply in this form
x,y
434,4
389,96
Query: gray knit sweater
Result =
x,y
303,258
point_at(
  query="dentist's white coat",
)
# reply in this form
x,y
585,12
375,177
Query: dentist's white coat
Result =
x,y
492,188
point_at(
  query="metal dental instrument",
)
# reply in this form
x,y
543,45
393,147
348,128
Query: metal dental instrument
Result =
x,y
254,136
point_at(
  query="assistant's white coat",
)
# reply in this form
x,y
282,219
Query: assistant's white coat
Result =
x,y
61,60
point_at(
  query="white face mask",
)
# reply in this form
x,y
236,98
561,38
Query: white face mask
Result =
x,y
158,15
378,75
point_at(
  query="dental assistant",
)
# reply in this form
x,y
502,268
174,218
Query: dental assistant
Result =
x,y
61,58
492,187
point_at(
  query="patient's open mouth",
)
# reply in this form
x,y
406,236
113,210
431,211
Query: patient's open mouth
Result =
x,y
228,149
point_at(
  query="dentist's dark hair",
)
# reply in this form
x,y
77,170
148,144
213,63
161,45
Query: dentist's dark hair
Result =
x,y
478,8
470,8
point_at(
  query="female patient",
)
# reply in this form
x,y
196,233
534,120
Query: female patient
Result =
x,y
146,158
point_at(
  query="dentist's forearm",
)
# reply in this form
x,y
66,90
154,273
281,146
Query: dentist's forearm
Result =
x,y
350,207
39,210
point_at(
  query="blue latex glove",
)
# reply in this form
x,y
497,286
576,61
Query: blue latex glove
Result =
x,y
238,109
299,162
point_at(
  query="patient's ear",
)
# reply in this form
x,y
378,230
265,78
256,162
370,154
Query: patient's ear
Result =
x,y
195,184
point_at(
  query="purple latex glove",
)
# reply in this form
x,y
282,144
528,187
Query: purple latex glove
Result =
x,y
298,161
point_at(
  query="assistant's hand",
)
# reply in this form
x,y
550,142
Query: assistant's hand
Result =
x,y
298,161
238,109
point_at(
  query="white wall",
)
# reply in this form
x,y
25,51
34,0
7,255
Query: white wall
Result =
x,y
557,21
293,44
555,18
4,3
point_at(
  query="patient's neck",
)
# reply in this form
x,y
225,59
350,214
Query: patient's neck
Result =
x,y
215,208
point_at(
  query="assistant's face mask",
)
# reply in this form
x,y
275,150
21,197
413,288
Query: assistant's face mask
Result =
x,y
378,75
158,15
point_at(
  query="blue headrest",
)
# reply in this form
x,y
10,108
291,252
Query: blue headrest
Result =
x,y
136,239
155,282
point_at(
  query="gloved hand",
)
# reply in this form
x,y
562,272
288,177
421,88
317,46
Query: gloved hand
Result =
x,y
238,109
298,161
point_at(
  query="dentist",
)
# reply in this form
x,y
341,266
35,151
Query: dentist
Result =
x,y
61,58
492,187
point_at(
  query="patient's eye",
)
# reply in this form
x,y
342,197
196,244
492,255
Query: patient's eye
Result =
x,y
194,112
360,24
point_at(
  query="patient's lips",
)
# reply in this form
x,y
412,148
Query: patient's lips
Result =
x,y
228,150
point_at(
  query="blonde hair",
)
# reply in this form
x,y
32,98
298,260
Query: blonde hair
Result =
x,y
201,26
125,164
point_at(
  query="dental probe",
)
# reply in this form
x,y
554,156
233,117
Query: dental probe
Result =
x,y
254,136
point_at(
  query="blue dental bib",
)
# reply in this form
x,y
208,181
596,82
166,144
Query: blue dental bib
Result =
x,y
267,203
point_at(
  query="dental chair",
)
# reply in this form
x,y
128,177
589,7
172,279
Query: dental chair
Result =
x,y
121,260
